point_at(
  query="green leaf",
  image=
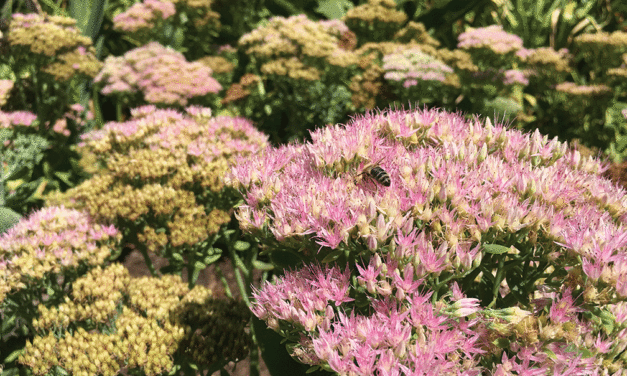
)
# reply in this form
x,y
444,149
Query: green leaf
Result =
x,y
333,9
260,265
64,177
7,325
495,249
12,356
198,265
89,15
178,257
8,219
10,372
211,259
241,245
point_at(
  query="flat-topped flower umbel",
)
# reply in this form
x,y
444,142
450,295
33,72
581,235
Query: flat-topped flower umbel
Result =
x,y
490,250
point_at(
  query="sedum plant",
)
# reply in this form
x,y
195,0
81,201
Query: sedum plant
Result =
x,y
420,242
40,257
145,325
300,61
159,176
45,61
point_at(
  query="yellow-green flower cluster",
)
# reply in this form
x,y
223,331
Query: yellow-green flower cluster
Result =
x,y
297,47
602,50
139,324
67,52
377,20
49,242
162,170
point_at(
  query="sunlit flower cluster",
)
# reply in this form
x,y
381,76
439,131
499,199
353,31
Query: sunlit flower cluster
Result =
x,y
56,37
162,170
478,223
160,73
113,321
49,242
297,47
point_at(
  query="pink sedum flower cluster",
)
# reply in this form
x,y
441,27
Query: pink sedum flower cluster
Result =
x,y
51,241
160,73
491,37
143,15
489,249
17,118
412,65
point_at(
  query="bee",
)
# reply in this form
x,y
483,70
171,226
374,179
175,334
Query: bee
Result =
x,y
380,175
376,172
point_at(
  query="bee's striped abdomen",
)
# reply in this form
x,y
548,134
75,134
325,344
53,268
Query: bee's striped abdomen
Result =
x,y
380,175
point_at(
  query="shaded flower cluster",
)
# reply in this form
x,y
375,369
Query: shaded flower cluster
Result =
x,y
63,51
160,174
50,242
297,47
160,73
480,227
602,50
375,21
113,321
544,66
582,99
